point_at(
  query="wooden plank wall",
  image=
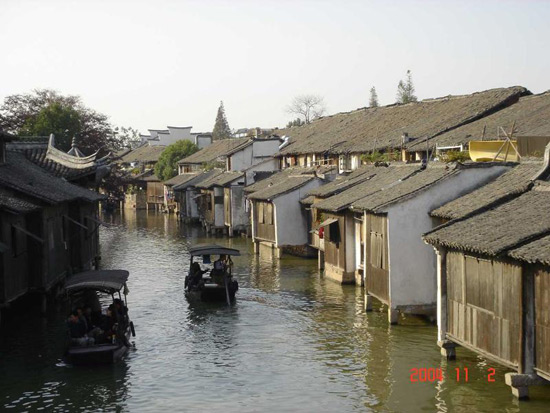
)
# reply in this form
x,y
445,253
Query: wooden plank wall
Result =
x,y
265,220
227,206
484,305
335,252
14,276
377,275
542,320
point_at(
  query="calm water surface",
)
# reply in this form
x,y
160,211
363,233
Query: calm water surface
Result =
x,y
292,342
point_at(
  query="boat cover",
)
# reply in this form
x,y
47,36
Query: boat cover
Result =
x,y
103,280
212,249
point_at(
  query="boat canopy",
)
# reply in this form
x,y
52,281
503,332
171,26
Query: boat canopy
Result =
x,y
109,281
212,249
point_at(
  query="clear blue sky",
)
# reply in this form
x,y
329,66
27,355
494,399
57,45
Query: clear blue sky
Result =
x,y
149,64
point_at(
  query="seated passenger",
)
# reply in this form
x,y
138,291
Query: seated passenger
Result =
x,y
77,330
108,323
220,264
195,274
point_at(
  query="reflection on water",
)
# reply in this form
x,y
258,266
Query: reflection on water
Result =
x,y
292,342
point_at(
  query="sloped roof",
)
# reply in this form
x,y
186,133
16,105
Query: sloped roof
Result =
x,y
280,176
215,150
508,185
366,129
145,154
200,177
536,252
289,184
222,179
384,176
343,182
180,179
406,188
12,203
531,114
23,176
497,230
38,151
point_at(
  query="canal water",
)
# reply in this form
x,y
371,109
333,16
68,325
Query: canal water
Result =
x,y
293,342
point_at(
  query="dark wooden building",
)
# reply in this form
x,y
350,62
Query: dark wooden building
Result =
x,y
493,286
55,230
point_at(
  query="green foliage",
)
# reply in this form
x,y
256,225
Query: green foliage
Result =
x,y
373,101
44,111
296,122
405,90
208,166
455,156
126,136
167,165
221,127
61,120
377,156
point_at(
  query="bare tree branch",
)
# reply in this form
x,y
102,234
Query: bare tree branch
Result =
x,y
310,107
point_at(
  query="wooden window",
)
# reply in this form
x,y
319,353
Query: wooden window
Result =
x,y
269,214
14,248
377,250
261,213
334,232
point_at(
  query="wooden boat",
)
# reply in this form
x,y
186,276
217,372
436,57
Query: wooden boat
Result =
x,y
110,349
218,284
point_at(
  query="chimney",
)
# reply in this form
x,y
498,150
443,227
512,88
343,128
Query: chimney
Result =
x,y
405,138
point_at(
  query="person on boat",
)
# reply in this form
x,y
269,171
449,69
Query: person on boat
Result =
x,y
77,330
108,322
220,267
220,264
195,275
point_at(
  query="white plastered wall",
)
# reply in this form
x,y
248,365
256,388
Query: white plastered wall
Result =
x,y
413,263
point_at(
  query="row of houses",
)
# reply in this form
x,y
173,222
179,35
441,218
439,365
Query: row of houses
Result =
x,y
367,193
48,218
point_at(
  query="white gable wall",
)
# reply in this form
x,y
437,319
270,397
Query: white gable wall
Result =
x,y
412,263
290,218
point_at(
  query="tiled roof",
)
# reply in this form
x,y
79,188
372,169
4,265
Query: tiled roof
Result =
x,y
280,176
179,179
531,115
145,154
21,175
498,230
222,179
13,203
510,184
383,177
406,188
289,184
200,177
216,150
379,128
343,182
37,152
536,252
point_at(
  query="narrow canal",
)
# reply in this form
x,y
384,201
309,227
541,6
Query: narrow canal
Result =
x,y
292,342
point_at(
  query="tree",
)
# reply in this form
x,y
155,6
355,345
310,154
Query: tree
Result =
x,y
373,101
405,90
221,127
167,167
45,111
296,122
128,137
57,118
310,107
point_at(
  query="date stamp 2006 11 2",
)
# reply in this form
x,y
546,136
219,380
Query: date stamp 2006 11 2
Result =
x,y
436,374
